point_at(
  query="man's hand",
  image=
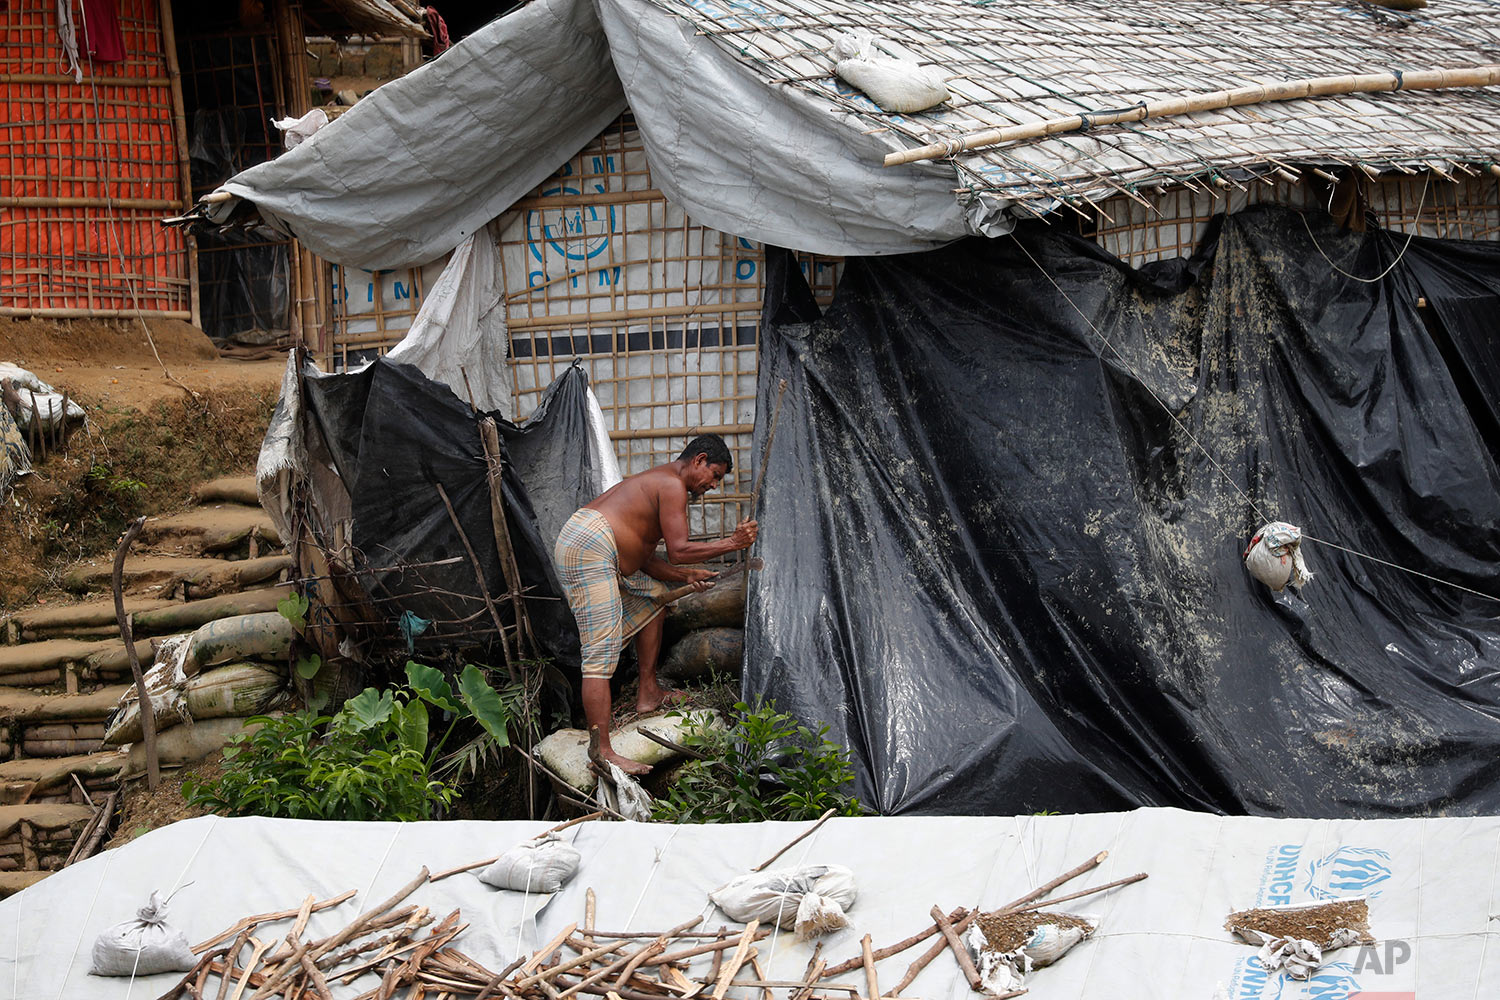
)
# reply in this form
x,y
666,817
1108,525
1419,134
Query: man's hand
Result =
x,y
745,534
700,578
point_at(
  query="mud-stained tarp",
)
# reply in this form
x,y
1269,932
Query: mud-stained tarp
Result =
x,y
394,436
1009,491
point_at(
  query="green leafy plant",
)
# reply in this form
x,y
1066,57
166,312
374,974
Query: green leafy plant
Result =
x,y
372,760
359,769
767,766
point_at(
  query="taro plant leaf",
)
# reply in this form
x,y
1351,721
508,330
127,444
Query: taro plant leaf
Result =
x,y
365,710
432,687
293,608
484,702
308,666
411,725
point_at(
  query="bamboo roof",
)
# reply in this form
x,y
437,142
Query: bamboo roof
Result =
x,y
375,17
1010,62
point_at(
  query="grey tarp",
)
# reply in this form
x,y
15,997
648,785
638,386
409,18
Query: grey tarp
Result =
x,y
1431,884
426,160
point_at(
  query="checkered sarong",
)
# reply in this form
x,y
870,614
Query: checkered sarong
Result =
x,y
609,608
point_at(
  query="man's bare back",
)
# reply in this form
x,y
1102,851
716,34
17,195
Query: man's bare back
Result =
x,y
651,507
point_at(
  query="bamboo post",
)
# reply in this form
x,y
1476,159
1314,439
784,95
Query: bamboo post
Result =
x,y
180,143
1288,90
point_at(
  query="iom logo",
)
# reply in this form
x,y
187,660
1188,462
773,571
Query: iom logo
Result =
x,y
1348,871
1252,981
576,232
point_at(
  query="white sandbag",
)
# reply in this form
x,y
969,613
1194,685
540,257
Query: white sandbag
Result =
x,y
1274,557
1298,957
264,636
775,896
1005,970
144,946
899,85
566,751
534,866
164,684
295,131
49,402
818,915
187,744
624,795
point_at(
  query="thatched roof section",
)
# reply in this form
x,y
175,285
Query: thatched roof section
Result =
x,y
374,17
1015,61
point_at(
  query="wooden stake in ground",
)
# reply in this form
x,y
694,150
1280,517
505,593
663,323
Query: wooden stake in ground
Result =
x,y
1288,90
148,715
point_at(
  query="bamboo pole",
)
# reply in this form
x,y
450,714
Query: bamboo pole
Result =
x,y
88,81
1288,90
75,313
180,144
142,204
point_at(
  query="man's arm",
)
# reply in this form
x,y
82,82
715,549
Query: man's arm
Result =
x,y
659,569
671,505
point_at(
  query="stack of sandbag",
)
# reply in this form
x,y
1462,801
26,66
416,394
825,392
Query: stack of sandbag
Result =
x,y
39,837
705,633
204,684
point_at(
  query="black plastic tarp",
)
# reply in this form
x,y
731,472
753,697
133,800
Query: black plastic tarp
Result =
x,y
393,435
1004,512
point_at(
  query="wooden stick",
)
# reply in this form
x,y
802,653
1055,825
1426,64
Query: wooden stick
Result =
x,y
257,949
319,984
895,949
718,960
147,711
1066,876
927,956
765,455
703,949
796,840
960,952
815,967
1321,86
741,951
547,949
670,744
499,978
1138,876
871,983
678,593
231,959
478,576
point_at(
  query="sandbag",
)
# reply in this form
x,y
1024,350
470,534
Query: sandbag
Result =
x,y
543,865
144,946
901,85
238,689
1274,557
186,744
623,794
775,896
164,683
722,605
566,751
1006,947
264,636
706,651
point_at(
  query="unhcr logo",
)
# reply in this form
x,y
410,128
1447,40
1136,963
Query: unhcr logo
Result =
x,y
1348,871
1252,981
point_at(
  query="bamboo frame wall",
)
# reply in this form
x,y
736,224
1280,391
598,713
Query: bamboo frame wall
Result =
x,y
664,313
89,170
1170,223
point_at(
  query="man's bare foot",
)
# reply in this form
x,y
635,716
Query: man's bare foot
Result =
x,y
651,701
632,767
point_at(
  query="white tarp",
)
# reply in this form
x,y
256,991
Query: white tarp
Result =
x,y
425,161
1431,885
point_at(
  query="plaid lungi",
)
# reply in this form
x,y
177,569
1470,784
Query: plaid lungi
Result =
x,y
609,608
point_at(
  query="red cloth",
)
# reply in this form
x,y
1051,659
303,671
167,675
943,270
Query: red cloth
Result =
x,y
438,29
101,31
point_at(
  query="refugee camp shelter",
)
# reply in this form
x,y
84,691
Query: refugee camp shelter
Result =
x,y
124,112
1042,391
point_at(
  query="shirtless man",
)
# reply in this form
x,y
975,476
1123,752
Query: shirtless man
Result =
x,y
606,558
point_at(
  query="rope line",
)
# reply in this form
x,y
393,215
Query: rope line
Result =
x,y
1209,455
1416,224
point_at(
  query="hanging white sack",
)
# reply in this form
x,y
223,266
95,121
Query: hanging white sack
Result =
x,y
898,85
543,865
776,896
143,946
1274,557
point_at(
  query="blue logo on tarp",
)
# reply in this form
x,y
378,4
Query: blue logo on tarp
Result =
x,y
1253,982
577,232
1348,871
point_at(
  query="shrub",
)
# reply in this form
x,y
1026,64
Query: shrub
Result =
x,y
767,766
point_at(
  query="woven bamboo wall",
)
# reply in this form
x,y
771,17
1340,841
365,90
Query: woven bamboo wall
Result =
x,y
88,171
663,312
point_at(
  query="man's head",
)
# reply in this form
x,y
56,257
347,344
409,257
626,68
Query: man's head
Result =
x,y
707,460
